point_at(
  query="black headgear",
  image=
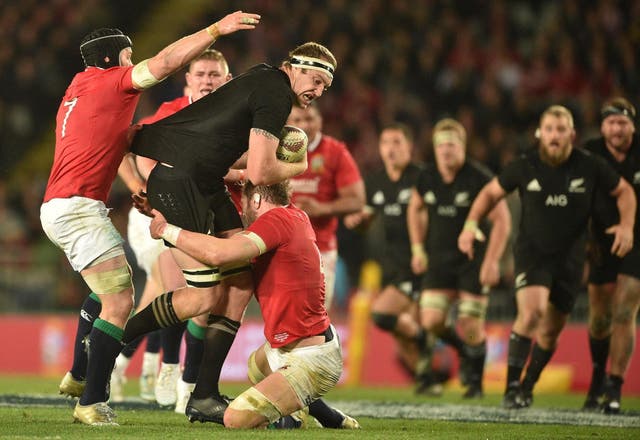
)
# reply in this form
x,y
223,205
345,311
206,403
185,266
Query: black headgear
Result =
x,y
103,43
618,106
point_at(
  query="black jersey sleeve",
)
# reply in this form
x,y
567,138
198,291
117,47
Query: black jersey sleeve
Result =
x,y
608,177
511,175
270,104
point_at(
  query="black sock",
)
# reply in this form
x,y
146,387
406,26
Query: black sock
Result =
x,y
476,355
519,348
327,416
450,336
539,359
219,337
131,347
286,422
171,338
158,314
88,313
194,339
154,340
599,349
104,346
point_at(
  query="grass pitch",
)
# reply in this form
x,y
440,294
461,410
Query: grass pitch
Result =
x,y
29,408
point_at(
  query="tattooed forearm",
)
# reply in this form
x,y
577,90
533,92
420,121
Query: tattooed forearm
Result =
x,y
264,133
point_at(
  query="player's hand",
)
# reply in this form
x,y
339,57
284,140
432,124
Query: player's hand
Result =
x,y
141,203
352,221
158,222
237,21
465,242
489,273
622,241
311,206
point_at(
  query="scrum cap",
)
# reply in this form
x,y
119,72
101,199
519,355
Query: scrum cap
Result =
x,y
103,43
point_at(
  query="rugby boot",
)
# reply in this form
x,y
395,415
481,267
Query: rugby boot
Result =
x,y
612,396
511,399
70,386
209,409
148,376
348,422
166,389
96,414
184,393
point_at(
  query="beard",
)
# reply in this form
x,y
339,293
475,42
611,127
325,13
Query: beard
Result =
x,y
558,157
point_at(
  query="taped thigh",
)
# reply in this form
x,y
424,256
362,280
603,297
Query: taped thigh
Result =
x,y
254,401
437,301
472,307
110,281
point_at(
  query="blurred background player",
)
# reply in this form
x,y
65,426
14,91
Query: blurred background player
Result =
x,y
614,282
439,205
556,183
330,188
395,308
205,74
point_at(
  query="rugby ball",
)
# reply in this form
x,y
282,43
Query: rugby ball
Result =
x,y
293,144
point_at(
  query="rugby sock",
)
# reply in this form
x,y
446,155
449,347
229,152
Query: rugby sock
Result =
x,y
131,347
519,348
450,336
599,349
539,359
194,339
158,314
218,339
327,416
104,346
171,338
154,340
475,355
88,313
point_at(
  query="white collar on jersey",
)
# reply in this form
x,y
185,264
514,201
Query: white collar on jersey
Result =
x,y
315,142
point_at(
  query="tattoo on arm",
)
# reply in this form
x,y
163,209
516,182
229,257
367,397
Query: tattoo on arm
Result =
x,y
264,133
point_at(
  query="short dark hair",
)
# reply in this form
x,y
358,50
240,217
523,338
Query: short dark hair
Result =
x,y
618,106
278,193
402,127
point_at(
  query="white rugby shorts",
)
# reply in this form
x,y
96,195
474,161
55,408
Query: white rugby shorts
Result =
x,y
311,371
81,227
146,249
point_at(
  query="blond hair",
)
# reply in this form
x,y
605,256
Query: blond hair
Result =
x,y
449,124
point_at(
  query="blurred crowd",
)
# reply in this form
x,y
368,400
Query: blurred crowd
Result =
x,y
492,65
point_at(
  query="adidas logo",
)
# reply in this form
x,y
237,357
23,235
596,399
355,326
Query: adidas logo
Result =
x,y
534,185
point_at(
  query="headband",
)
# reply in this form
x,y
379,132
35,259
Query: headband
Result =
x,y
614,109
445,136
313,63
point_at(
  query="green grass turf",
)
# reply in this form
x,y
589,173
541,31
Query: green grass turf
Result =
x,y
55,422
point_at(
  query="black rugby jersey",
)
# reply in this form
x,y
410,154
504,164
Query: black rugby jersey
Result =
x,y
390,200
605,210
448,204
556,201
205,138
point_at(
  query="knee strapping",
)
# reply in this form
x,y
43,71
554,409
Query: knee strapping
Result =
x,y
434,301
254,373
202,277
474,308
385,321
253,400
110,281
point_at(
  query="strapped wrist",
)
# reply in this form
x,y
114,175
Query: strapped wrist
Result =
x,y
213,31
417,249
470,225
170,233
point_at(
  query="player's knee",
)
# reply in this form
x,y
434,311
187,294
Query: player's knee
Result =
x,y
530,318
474,308
600,325
250,409
385,321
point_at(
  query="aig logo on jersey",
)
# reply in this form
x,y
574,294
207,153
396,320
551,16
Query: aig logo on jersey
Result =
x,y
556,200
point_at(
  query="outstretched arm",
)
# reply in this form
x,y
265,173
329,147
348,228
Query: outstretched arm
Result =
x,y
175,56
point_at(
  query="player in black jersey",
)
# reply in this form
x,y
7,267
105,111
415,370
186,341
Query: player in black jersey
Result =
x,y
395,309
195,148
614,282
437,211
556,184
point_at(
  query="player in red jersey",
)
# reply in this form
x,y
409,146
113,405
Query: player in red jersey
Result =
x,y
91,140
301,359
206,73
330,187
